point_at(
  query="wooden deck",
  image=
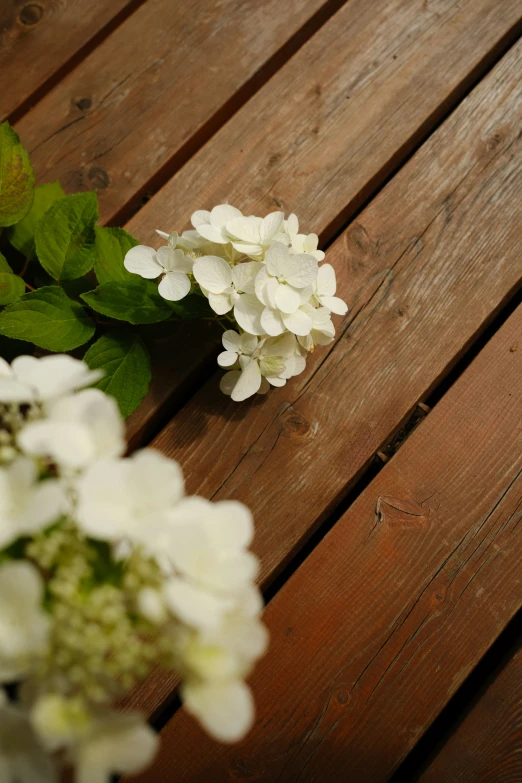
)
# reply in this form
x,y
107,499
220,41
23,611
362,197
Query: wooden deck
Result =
x,y
386,480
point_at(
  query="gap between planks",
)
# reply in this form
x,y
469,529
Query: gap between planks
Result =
x,y
393,269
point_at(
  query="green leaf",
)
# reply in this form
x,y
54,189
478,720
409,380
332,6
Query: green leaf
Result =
x,y
136,302
47,318
21,236
126,363
16,178
193,306
65,237
11,286
112,245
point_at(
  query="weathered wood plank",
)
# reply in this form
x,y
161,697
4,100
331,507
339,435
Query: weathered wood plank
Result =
x,y
328,128
487,746
153,86
421,282
388,615
38,40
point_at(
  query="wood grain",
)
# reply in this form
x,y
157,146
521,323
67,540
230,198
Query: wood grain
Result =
x,y
39,39
388,615
487,746
326,130
421,281
151,86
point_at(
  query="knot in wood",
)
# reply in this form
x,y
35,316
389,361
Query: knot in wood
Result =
x,y
83,104
493,141
242,768
359,237
98,178
296,425
31,14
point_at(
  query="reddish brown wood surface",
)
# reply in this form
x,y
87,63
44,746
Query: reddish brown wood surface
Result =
x,y
321,135
151,87
487,746
38,40
418,278
387,616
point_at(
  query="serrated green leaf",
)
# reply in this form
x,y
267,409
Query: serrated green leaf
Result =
x,y
65,236
16,178
47,318
192,307
136,302
112,245
125,361
21,236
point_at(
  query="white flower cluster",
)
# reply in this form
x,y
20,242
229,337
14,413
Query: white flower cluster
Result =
x,y
262,277
106,568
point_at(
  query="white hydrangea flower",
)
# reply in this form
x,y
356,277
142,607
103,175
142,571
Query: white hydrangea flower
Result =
x,y
283,286
174,266
235,346
29,379
26,504
22,757
227,287
24,626
59,721
323,330
302,243
78,429
212,225
272,361
254,235
128,499
324,290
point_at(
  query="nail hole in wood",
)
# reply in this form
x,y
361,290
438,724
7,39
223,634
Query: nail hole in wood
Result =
x,y
31,14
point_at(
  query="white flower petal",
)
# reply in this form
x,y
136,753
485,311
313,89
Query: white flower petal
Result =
x,y
270,225
270,292
201,216
228,382
231,340
247,312
52,376
249,249
220,303
232,527
227,358
244,276
65,442
276,259
299,322
174,286
223,213
194,606
334,304
213,273
301,271
141,260
272,322
248,383
248,343
274,380
292,225
246,229
260,285
326,282
287,298
212,233
225,709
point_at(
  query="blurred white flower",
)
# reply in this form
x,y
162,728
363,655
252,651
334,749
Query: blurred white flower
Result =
x,y
24,626
224,708
174,266
212,225
225,286
26,504
58,720
254,235
29,379
128,499
22,757
117,744
302,243
78,429
324,290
